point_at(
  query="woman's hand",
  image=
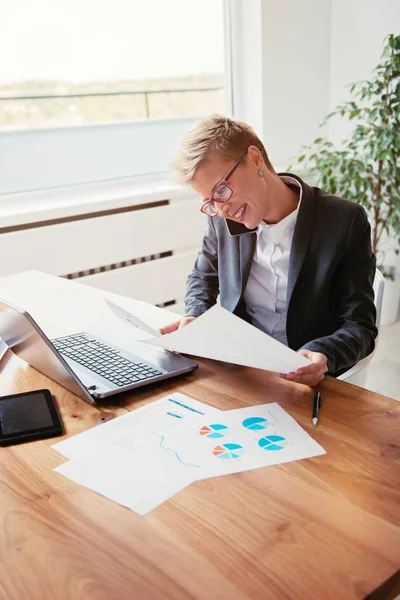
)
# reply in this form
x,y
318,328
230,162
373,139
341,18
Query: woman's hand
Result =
x,y
312,374
176,325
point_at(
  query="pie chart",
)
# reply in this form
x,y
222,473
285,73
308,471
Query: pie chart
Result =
x,y
255,423
272,442
228,451
216,430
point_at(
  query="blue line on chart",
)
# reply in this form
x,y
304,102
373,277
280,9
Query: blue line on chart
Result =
x,y
174,415
185,406
173,451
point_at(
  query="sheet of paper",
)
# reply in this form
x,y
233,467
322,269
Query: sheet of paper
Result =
x,y
224,442
3,348
220,335
139,478
240,440
131,319
125,461
166,411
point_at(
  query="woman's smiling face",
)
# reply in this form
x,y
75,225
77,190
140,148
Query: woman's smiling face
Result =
x,y
248,203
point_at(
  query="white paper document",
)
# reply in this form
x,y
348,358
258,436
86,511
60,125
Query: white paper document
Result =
x,y
143,458
241,440
140,478
124,461
128,317
221,335
3,348
166,412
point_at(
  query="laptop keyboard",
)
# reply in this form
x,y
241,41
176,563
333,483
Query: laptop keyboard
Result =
x,y
104,360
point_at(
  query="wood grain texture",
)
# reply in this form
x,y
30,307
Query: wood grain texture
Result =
x,y
317,529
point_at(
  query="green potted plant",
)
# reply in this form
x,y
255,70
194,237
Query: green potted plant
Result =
x,y
365,168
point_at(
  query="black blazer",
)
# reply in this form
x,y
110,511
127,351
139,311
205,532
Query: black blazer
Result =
x,y
330,298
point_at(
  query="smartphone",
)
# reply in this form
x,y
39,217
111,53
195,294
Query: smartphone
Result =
x,y
28,416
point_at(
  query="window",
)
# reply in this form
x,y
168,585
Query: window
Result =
x,y
88,62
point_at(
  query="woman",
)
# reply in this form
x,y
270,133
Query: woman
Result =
x,y
292,260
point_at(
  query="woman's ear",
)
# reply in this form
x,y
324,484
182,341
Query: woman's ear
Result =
x,y
256,157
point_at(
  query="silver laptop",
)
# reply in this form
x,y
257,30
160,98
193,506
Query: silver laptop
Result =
x,y
85,364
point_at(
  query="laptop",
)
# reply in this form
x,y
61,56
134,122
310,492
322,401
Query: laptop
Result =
x,y
83,363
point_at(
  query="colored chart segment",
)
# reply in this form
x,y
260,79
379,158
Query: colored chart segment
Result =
x,y
216,430
272,442
255,423
228,451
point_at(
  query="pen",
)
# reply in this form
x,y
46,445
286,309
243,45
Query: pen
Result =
x,y
316,407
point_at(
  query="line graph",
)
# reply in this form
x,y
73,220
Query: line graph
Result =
x,y
173,451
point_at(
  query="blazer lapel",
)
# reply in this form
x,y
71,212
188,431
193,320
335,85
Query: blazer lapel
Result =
x,y
247,249
238,271
301,236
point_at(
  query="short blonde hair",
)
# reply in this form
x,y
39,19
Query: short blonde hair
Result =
x,y
227,137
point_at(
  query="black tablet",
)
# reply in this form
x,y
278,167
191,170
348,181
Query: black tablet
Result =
x,y
28,416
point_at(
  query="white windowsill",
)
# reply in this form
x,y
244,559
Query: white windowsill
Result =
x,y
58,203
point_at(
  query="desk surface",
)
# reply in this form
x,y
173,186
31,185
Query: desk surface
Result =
x,y
322,528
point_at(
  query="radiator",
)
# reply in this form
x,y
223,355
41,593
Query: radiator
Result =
x,y
144,251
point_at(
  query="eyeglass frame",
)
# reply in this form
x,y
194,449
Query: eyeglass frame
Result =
x,y
224,181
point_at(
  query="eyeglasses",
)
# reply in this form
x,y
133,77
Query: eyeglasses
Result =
x,y
222,192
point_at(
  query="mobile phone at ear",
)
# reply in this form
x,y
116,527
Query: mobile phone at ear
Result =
x,y
28,416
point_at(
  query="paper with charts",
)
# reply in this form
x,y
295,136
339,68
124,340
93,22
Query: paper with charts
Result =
x,y
221,335
147,473
143,458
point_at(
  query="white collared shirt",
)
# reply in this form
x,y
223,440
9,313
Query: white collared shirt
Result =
x,y
265,293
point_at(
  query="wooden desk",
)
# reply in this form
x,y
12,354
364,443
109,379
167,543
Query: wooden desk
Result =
x,y
323,528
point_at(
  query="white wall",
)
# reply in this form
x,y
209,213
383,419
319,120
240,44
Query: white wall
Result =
x,y
296,47
281,59
357,31
293,60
